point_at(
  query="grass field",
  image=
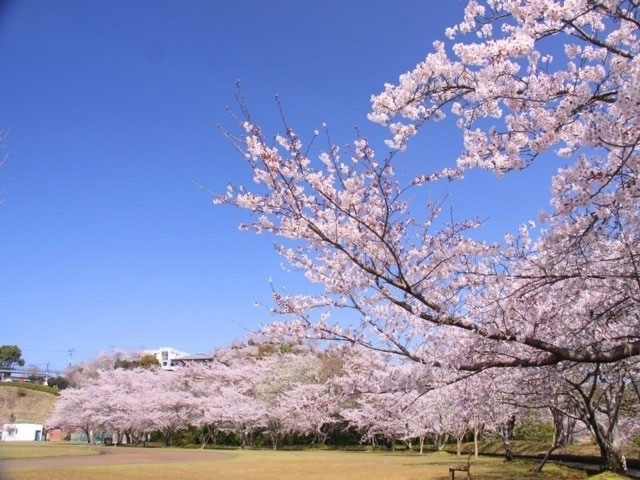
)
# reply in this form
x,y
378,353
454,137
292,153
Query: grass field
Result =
x,y
44,450
165,464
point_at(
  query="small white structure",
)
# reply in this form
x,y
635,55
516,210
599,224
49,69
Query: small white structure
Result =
x,y
21,432
165,355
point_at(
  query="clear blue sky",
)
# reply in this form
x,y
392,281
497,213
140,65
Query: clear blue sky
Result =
x,y
110,109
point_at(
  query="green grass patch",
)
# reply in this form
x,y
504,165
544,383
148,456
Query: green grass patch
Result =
x,y
44,449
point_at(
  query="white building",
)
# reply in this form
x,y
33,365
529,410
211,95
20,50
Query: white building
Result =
x,y
165,355
21,432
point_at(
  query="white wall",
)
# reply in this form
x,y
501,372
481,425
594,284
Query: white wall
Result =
x,y
170,353
20,432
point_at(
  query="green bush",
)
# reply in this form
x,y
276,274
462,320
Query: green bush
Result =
x,y
532,430
59,383
31,386
184,438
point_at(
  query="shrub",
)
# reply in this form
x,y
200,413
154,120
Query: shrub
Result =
x,y
532,430
31,386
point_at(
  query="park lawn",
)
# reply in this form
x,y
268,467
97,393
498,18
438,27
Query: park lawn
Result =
x,y
45,449
304,465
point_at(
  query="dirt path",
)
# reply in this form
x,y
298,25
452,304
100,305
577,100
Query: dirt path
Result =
x,y
115,456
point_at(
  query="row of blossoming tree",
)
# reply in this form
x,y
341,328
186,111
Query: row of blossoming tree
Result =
x,y
280,391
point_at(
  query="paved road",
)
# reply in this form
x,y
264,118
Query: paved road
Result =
x,y
115,456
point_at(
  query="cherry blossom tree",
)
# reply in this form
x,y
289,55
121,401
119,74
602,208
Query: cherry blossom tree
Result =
x,y
354,220
380,417
279,375
311,409
525,82
202,386
244,414
76,409
84,373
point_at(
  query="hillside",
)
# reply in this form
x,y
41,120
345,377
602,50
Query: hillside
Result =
x,y
25,405
521,447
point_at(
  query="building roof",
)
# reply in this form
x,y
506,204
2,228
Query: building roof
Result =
x,y
202,357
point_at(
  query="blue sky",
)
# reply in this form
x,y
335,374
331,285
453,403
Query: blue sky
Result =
x,y
110,109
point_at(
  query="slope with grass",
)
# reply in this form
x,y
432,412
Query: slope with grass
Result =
x,y
521,447
25,405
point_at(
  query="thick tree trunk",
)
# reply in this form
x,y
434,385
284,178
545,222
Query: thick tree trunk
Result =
x,y
275,441
421,445
475,441
459,439
570,432
212,433
440,440
613,458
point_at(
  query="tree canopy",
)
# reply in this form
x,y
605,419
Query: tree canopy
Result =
x,y
11,355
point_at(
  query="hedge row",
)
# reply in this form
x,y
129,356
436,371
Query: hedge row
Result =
x,y
32,386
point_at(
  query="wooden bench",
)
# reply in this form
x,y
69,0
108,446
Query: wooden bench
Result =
x,y
460,468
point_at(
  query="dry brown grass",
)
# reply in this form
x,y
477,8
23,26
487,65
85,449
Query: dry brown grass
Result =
x,y
26,405
300,465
